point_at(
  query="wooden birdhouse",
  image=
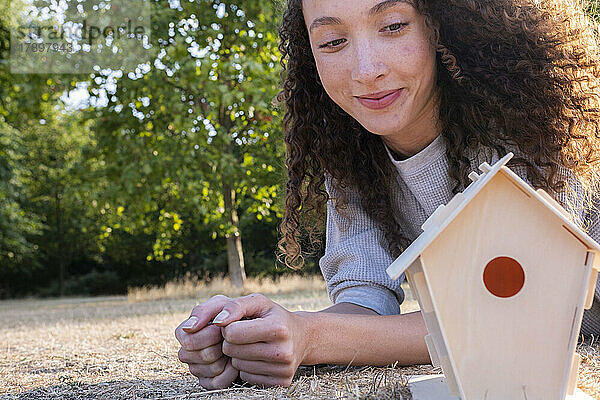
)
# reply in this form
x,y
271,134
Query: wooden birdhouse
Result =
x,y
502,277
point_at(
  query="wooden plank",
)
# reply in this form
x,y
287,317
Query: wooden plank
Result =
x,y
574,370
430,387
592,282
433,387
433,354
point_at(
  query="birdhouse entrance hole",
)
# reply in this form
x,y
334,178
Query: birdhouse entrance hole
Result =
x,y
503,277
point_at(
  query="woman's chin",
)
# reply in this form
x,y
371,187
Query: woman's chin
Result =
x,y
379,131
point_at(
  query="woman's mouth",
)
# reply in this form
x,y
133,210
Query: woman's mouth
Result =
x,y
379,103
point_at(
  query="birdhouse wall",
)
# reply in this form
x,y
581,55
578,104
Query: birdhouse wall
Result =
x,y
434,340
483,333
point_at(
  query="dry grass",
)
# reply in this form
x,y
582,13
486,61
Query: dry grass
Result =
x,y
124,348
588,379
193,287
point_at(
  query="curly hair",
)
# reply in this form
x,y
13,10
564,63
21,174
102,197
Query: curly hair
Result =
x,y
522,74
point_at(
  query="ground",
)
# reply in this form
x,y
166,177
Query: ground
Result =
x,y
123,347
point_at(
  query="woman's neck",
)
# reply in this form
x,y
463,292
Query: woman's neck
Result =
x,y
402,151
397,156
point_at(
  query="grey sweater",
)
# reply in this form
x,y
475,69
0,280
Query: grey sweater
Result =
x,y
355,260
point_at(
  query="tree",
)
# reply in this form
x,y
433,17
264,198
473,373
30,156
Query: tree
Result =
x,y
61,184
44,176
195,129
16,227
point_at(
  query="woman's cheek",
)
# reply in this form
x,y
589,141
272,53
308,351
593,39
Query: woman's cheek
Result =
x,y
329,73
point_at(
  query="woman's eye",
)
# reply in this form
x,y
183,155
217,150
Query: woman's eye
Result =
x,y
392,28
332,44
395,27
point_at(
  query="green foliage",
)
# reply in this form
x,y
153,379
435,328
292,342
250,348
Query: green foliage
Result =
x,y
16,226
44,178
62,180
133,188
197,116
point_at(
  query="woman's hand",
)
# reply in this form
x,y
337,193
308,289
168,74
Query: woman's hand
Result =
x,y
201,346
264,343
268,346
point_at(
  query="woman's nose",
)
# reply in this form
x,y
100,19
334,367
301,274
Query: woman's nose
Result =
x,y
368,65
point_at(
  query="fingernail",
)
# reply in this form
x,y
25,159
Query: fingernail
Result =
x,y
222,316
189,324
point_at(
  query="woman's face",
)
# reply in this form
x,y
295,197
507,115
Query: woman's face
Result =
x,y
372,48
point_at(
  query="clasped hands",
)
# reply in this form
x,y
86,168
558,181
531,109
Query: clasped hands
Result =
x,y
251,337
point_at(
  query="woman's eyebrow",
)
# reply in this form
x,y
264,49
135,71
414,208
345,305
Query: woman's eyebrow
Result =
x,y
376,9
322,21
384,5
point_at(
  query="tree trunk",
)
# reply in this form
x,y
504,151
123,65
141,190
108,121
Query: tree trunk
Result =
x,y
59,241
235,255
5,293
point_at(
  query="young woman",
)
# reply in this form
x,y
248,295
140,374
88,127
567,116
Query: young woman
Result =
x,y
390,104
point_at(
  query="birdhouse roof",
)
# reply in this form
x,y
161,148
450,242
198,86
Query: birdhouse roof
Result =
x,y
445,214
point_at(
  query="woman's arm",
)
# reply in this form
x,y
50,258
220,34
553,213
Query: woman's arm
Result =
x,y
367,338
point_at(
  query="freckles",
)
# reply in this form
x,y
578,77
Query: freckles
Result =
x,y
327,68
416,54
330,73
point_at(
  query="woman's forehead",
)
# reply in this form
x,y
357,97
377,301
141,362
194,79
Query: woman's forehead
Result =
x,y
331,12
363,7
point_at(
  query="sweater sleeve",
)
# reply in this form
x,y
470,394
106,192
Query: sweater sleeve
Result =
x,y
588,218
354,262
591,318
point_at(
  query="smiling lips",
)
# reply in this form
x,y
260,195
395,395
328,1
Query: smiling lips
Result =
x,y
377,101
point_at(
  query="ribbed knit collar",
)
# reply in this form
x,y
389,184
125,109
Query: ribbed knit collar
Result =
x,y
421,160
426,174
